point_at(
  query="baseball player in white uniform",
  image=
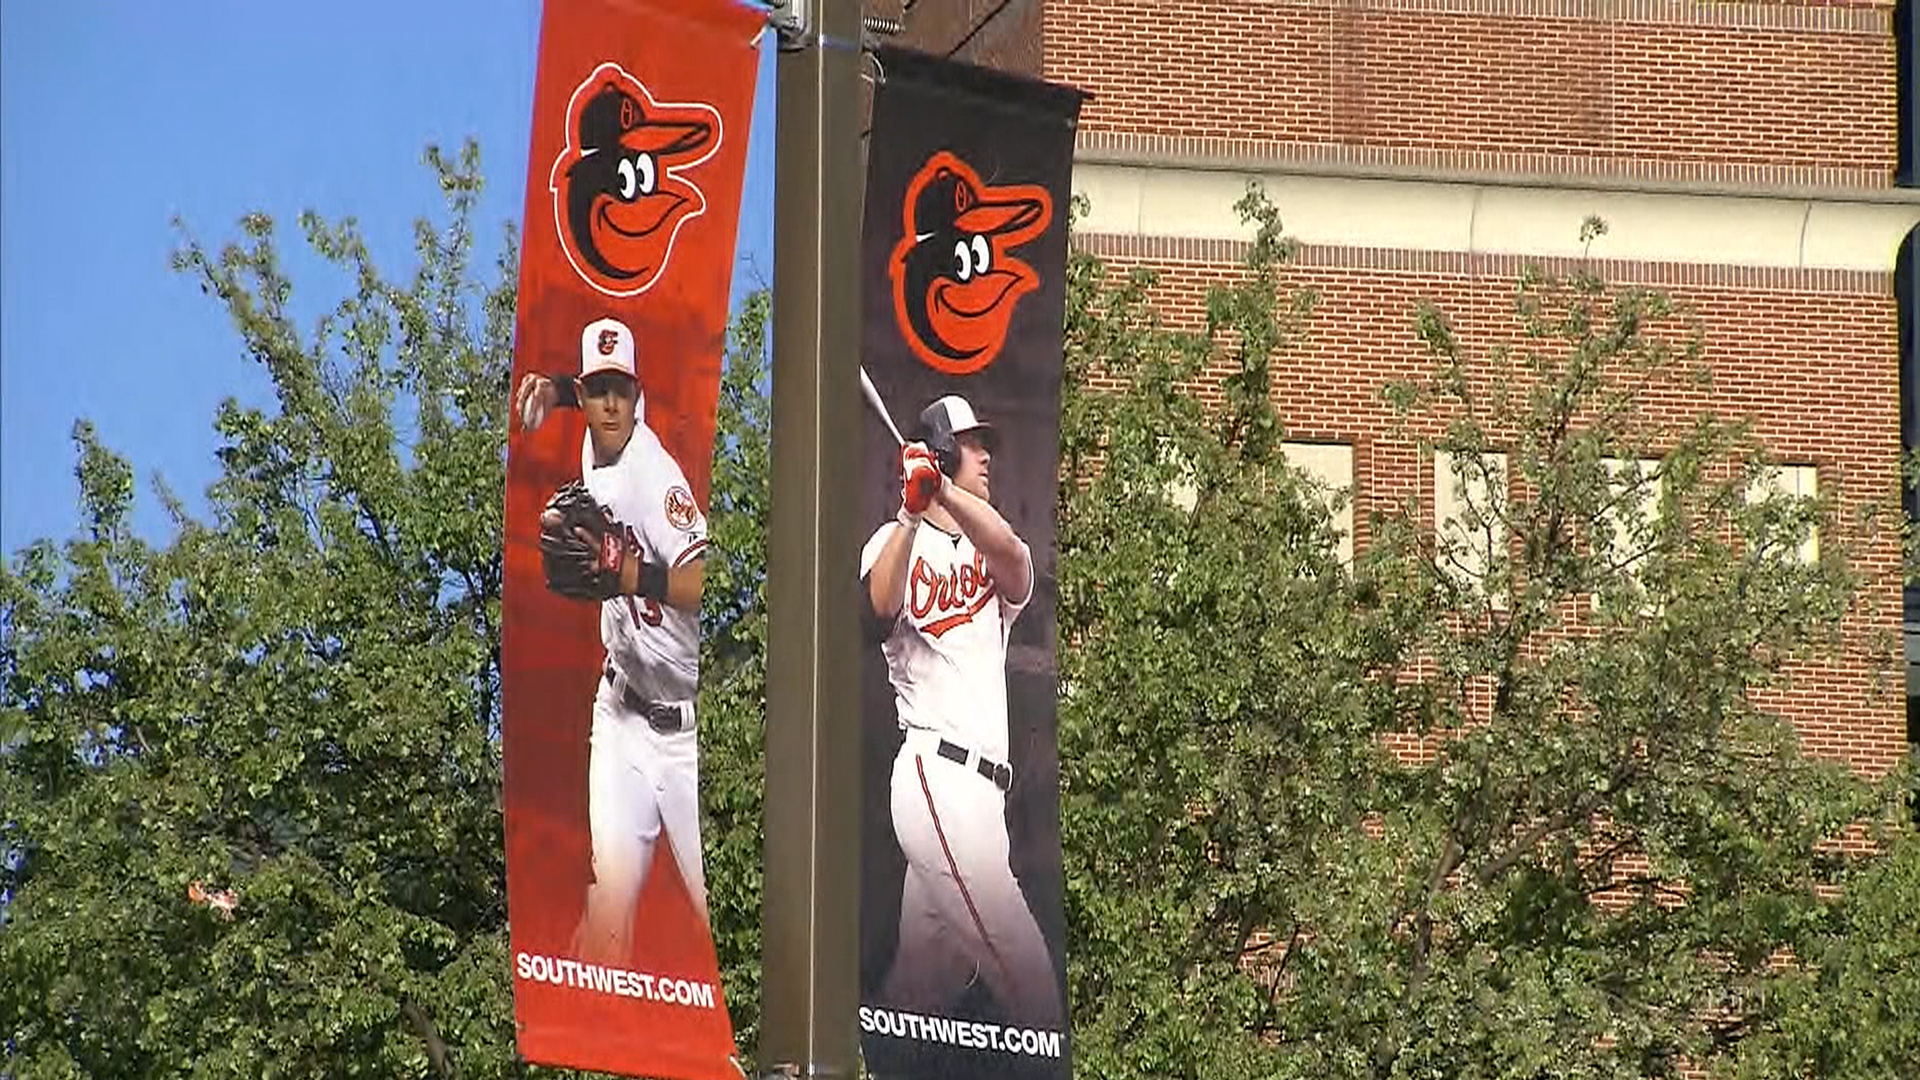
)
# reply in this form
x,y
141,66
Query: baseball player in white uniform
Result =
x,y
643,776
947,578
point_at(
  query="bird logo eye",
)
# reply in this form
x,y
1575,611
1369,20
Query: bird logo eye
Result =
x,y
982,255
638,176
963,260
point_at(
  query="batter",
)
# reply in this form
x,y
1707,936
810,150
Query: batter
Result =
x,y
948,578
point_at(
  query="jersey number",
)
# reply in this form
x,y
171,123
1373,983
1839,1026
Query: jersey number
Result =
x,y
646,610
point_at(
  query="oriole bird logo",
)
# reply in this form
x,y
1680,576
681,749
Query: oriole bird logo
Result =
x,y
955,280
619,196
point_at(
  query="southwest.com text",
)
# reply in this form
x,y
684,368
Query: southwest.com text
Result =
x,y
609,980
971,1034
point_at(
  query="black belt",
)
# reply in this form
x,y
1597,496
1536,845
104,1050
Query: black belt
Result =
x,y
1001,775
660,716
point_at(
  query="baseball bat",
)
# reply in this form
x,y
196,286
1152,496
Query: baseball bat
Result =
x,y
873,399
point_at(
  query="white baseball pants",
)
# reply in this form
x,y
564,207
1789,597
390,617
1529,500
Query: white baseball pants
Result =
x,y
962,914
639,783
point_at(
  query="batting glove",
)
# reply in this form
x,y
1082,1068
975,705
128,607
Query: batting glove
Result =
x,y
919,479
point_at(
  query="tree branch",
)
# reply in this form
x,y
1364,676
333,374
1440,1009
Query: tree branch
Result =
x,y
1422,944
437,1052
1527,841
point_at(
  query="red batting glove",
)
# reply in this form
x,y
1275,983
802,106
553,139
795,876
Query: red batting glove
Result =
x,y
919,478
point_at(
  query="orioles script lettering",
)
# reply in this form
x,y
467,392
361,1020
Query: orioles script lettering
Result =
x,y
956,596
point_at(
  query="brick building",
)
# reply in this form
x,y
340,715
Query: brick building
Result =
x,y
1749,158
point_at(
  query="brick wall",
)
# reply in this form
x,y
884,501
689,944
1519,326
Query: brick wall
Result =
x,y
1811,357
1002,34
1678,89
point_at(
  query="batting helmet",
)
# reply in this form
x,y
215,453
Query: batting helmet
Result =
x,y
941,424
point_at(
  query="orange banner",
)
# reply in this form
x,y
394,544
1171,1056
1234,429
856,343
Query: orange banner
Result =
x,y
641,110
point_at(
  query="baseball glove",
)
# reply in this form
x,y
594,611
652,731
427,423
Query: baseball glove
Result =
x,y
582,547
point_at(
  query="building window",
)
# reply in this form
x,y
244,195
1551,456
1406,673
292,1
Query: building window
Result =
x,y
1329,474
1181,490
1469,508
1913,731
1329,467
1633,504
1791,481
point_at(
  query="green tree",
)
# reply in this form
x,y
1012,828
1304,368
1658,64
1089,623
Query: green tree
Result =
x,y
1611,864
293,705
1848,1010
1615,850
293,702
733,668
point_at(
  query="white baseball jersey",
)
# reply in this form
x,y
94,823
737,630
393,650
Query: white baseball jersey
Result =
x,y
656,647
947,651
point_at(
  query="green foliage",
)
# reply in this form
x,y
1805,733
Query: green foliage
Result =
x,y
1211,755
1610,863
295,703
733,671
295,700
1848,1012
1614,851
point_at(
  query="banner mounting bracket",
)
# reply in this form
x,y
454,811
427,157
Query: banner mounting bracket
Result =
x,y
795,22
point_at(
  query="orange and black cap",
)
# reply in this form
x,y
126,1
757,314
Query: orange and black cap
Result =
x,y
614,118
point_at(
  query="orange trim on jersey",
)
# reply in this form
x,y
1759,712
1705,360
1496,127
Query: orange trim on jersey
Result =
x,y
698,547
920,766
941,626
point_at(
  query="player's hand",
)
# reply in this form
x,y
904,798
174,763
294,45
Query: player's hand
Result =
x,y
536,398
583,550
920,478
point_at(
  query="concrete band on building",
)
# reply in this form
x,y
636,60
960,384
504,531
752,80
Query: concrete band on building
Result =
x,y
1501,219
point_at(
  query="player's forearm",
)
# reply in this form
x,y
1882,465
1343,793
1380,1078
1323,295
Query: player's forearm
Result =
x,y
887,581
684,585
677,587
1005,552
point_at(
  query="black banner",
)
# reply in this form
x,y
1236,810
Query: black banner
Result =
x,y
963,261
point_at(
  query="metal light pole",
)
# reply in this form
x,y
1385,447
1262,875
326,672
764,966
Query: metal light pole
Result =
x,y
810,988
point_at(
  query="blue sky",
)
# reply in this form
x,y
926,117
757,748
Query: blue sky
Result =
x,y
115,117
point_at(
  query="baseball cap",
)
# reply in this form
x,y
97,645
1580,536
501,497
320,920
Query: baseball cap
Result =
x,y
953,415
606,345
950,200
614,117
